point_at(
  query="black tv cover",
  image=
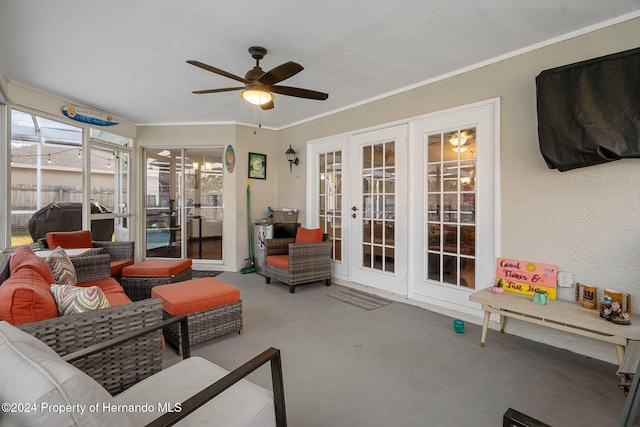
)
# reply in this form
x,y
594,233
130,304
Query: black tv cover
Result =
x,y
589,112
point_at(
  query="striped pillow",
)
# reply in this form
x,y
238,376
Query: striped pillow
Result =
x,y
64,273
75,299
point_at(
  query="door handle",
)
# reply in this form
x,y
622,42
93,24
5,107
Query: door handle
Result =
x,y
353,208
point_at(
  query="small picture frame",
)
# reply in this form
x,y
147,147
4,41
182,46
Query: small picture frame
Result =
x,y
257,166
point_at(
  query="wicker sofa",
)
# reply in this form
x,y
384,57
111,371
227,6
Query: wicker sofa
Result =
x,y
122,366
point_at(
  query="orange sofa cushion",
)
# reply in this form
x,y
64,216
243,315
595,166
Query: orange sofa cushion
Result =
x,y
157,268
69,239
24,259
281,261
111,289
108,285
306,235
118,298
25,297
192,296
117,266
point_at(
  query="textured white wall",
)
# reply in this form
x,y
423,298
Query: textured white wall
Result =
x,y
587,221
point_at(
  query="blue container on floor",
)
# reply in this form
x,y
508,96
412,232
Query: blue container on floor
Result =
x,y
458,326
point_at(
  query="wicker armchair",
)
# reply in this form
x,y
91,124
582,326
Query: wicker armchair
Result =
x,y
120,367
121,253
307,262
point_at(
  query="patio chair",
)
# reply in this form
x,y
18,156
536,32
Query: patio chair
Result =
x,y
121,253
303,259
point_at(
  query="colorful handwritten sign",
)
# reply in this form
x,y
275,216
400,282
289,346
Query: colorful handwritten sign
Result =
x,y
525,277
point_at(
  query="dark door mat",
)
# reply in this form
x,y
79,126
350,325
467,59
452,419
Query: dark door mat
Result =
x,y
360,299
196,274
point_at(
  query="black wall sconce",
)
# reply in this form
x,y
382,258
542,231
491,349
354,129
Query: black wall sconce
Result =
x,y
291,157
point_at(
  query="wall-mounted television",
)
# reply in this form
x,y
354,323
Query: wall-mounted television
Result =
x,y
589,112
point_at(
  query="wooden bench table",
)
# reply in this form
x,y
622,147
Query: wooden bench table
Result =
x,y
629,365
562,315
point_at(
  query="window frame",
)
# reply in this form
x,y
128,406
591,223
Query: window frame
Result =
x,y
6,130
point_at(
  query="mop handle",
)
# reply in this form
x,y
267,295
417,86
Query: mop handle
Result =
x,y
249,219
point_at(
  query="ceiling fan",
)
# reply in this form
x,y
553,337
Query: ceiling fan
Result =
x,y
259,86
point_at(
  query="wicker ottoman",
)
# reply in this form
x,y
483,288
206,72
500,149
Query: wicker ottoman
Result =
x,y
138,279
213,309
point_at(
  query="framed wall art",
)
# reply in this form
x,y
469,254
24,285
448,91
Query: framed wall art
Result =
x,y
257,166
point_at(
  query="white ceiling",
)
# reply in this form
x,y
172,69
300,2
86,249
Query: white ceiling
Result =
x,y
127,57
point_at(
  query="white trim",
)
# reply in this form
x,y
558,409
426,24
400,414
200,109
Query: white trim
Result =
x,y
497,203
5,175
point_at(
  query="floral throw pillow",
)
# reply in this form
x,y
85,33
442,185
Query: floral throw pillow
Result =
x,y
76,299
62,268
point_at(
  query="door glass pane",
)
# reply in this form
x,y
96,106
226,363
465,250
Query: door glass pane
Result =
x,y
378,204
103,184
163,232
110,166
330,199
450,202
204,202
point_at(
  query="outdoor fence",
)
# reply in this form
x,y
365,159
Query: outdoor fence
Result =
x,y
24,200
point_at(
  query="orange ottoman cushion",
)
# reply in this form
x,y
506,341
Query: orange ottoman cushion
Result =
x,y
195,295
157,268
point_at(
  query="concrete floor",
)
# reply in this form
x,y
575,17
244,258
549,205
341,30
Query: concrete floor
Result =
x,y
401,365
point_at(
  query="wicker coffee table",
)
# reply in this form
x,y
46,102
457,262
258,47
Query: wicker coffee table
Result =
x,y
138,279
213,309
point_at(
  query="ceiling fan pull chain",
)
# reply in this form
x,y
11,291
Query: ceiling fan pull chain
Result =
x,y
258,115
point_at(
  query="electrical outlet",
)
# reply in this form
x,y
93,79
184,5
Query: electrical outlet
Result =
x,y
565,279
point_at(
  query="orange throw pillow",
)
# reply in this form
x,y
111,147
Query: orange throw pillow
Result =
x,y
306,235
25,297
24,259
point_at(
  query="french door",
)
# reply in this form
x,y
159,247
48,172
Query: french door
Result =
x,y
378,209
454,214
412,209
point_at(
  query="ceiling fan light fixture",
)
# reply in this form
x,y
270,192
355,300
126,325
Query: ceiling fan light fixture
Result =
x,y
256,96
458,139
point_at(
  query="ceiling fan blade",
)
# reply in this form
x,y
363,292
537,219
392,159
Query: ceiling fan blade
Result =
x,y
217,71
226,89
280,73
298,92
268,106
